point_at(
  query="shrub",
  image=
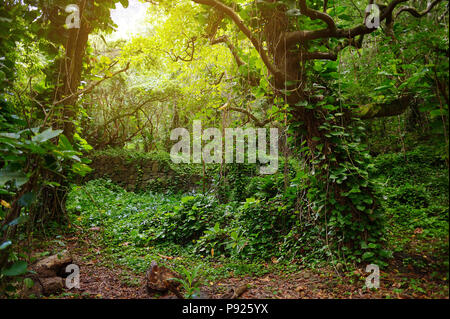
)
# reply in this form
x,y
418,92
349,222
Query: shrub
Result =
x,y
188,220
413,195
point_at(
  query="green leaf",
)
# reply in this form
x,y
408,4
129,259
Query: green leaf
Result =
x,y
19,220
302,103
14,136
81,169
27,199
10,174
18,268
46,135
64,143
186,199
385,253
367,255
5,245
383,87
29,283
435,113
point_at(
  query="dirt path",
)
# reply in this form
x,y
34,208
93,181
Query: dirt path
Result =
x,y
102,282
99,281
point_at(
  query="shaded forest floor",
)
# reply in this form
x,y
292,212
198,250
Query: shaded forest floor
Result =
x,y
101,277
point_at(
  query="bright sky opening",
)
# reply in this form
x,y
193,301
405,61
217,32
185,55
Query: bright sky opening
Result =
x,y
131,21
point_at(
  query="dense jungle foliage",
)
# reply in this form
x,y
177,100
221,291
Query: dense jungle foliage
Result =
x,y
363,142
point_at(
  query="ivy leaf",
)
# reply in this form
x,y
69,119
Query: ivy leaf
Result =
x,y
367,255
361,208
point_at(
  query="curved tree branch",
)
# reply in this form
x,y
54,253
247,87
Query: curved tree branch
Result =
x,y
314,14
332,54
257,122
373,110
240,24
92,86
415,13
298,36
226,40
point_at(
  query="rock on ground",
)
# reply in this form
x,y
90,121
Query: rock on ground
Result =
x,y
53,265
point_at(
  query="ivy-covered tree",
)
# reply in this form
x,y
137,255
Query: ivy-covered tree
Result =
x,y
293,40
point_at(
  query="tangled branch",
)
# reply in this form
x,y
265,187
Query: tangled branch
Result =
x,y
415,13
243,28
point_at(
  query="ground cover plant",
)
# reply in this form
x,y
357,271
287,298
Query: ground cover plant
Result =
x,y
347,98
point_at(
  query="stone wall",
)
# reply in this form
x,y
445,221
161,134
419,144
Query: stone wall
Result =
x,y
141,174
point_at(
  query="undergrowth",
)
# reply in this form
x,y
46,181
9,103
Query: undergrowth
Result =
x,y
250,235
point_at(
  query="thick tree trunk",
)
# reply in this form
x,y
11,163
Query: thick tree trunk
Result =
x,y
292,89
70,70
